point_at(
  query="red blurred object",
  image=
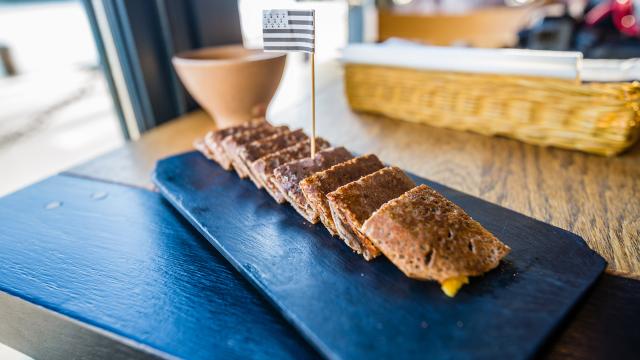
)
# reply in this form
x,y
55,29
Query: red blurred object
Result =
x,y
621,12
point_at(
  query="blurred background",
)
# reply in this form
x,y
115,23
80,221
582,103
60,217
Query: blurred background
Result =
x,y
80,78
56,109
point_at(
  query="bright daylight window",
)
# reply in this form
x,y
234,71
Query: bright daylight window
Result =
x,y
56,108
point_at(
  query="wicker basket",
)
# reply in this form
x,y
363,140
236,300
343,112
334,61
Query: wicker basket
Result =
x,y
600,118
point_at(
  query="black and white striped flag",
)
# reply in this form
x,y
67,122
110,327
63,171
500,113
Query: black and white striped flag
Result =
x,y
289,30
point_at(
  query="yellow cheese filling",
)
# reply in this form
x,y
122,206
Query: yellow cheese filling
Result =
x,y
451,286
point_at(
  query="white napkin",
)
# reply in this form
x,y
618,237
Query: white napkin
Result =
x,y
553,64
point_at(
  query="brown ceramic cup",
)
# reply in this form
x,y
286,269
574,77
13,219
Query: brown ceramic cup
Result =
x,y
231,83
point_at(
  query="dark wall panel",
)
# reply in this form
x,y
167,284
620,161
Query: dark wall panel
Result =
x,y
147,33
216,22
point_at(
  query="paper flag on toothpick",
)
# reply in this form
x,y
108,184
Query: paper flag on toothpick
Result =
x,y
289,30
293,30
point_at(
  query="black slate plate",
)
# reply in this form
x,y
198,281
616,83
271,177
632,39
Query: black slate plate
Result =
x,y
349,308
121,260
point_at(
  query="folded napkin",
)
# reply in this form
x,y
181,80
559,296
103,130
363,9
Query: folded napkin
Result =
x,y
523,62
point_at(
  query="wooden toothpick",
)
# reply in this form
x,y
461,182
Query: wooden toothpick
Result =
x,y
313,105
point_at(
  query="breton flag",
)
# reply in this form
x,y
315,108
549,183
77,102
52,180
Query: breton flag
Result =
x,y
289,30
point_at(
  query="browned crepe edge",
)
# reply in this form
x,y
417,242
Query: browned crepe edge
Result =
x,y
199,145
287,139
274,191
313,188
213,139
297,200
386,230
231,147
265,175
345,212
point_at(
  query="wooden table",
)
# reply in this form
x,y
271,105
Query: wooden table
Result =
x,y
589,195
592,196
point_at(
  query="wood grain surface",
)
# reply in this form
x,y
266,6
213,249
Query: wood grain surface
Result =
x,y
592,196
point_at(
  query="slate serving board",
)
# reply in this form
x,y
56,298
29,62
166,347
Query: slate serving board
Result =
x,y
122,260
349,308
